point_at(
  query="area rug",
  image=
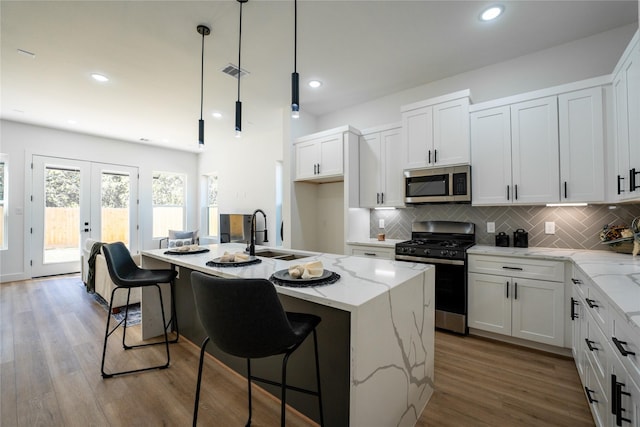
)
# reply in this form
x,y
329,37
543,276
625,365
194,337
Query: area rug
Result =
x,y
134,317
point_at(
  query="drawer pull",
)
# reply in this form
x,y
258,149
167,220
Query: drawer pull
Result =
x,y
616,400
589,346
515,290
576,281
589,391
370,253
620,346
507,288
591,303
512,268
574,315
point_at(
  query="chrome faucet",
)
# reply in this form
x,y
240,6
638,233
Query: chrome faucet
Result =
x,y
252,245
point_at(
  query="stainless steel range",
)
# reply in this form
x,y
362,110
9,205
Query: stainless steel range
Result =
x,y
443,244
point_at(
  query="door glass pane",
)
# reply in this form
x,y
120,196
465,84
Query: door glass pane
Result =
x,y
115,207
168,202
62,215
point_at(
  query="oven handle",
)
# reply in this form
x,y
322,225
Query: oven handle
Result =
x,y
429,260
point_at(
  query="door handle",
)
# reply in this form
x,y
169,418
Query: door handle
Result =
x,y
382,198
435,156
565,190
515,290
574,315
318,168
429,157
507,192
515,191
507,288
620,190
377,198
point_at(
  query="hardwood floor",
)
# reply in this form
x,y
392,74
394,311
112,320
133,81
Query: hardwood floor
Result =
x,y
51,343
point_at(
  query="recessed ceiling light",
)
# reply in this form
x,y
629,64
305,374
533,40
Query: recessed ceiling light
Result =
x,y
315,83
72,122
492,13
217,115
99,77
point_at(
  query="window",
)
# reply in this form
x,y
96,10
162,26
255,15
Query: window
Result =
x,y
4,212
168,202
212,205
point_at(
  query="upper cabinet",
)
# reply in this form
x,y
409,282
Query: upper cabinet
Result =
x,y
626,95
319,157
381,178
435,132
542,147
515,153
581,132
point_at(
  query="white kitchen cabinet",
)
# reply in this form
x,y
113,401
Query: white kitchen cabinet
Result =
x,y
515,153
320,159
371,251
381,178
435,132
582,155
626,94
504,299
608,355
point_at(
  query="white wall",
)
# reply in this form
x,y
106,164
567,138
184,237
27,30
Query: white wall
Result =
x,y
246,169
585,58
19,140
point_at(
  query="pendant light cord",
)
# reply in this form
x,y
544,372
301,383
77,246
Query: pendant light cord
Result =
x,y
295,35
239,49
202,77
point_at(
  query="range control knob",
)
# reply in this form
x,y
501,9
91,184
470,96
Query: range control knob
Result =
x,y
452,254
412,250
444,252
427,251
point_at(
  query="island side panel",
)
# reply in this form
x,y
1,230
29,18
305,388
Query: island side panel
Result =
x,y
333,348
150,302
393,354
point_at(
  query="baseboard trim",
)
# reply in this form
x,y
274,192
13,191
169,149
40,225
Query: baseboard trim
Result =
x,y
560,351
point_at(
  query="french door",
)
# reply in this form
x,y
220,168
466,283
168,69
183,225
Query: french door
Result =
x,y
74,200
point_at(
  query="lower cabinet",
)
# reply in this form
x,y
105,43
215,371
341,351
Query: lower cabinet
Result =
x,y
371,251
509,304
605,356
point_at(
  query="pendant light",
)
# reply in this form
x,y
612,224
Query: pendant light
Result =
x,y
238,103
295,87
204,31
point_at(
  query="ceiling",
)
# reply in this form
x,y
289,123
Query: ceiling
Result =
x,y
151,52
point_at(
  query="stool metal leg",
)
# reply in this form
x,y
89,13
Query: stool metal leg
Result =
x,y
315,347
174,317
249,390
197,400
108,333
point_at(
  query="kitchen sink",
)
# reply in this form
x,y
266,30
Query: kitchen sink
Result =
x,y
284,256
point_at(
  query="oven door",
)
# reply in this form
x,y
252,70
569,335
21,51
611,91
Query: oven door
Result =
x,y
451,295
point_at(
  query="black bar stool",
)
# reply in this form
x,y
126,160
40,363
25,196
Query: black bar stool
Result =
x,y
125,274
245,318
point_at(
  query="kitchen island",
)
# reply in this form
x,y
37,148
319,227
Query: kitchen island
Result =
x,y
376,339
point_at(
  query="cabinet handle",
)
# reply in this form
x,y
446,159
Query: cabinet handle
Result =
x,y
370,254
507,192
435,156
589,346
314,169
589,391
512,268
574,315
591,303
515,191
429,157
318,168
377,198
631,176
620,190
515,290
620,346
565,190
576,281
507,288
633,179
382,198
616,400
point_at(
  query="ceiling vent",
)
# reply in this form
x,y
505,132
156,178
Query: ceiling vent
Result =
x,y
233,71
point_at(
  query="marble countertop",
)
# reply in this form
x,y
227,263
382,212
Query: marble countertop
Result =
x,y
361,278
617,275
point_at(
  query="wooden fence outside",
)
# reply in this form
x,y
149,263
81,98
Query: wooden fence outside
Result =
x,y
62,226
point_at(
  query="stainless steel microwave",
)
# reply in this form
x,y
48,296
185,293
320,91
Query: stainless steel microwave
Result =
x,y
438,185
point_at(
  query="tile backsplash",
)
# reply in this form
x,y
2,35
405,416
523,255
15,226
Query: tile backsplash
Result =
x,y
575,227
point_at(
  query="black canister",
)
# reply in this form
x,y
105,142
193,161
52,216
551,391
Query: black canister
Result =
x,y
520,238
502,239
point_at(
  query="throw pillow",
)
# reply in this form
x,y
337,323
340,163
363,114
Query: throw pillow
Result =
x,y
176,234
178,243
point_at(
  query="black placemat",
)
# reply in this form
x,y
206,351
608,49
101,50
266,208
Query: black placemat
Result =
x,y
217,263
199,251
283,278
